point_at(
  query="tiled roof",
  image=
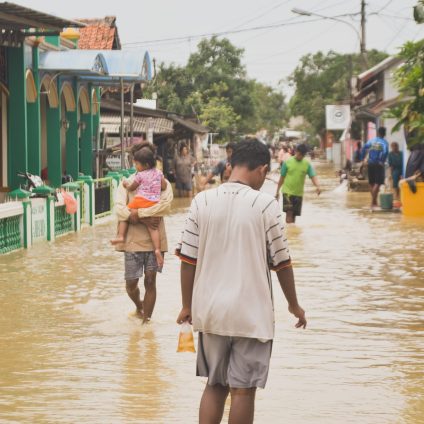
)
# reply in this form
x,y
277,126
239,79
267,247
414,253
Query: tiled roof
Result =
x,y
99,34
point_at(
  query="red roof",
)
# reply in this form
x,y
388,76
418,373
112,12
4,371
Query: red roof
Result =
x,y
99,34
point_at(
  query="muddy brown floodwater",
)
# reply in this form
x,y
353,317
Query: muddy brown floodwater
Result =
x,y
71,350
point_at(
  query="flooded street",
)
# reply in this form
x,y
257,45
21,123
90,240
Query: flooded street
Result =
x,y
72,350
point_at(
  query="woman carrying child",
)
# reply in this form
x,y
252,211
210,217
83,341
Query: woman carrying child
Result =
x,y
148,184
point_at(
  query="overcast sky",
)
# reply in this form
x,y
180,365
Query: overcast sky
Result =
x,y
271,54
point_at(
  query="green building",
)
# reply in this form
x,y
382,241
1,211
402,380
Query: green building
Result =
x,y
50,108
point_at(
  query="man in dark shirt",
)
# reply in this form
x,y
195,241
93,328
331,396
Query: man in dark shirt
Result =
x,y
223,168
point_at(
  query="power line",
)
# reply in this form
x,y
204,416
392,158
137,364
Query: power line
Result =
x,y
396,35
219,34
277,6
405,18
289,22
387,4
236,22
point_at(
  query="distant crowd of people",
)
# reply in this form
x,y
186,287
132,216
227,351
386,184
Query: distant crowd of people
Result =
x,y
374,154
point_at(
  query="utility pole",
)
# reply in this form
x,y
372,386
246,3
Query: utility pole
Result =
x,y
363,36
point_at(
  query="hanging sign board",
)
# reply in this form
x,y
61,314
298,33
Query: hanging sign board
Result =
x,y
337,117
114,162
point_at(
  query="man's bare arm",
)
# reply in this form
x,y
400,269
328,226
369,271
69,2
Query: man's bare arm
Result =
x,y
315,182
286,279
187,282
279,185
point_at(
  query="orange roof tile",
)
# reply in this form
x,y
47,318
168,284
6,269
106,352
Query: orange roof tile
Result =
x,y
99,34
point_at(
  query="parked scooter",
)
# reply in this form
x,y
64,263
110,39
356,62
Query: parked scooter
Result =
x,y
33,181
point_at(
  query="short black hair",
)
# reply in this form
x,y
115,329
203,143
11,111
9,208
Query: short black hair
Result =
x,y
251,153
381,132
302,149
231,145
145,156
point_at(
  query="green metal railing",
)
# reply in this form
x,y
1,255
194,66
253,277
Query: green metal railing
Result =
x,y
63,222
10,234
103,197
82,200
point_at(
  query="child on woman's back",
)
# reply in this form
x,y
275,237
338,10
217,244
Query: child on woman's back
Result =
x,y
148,184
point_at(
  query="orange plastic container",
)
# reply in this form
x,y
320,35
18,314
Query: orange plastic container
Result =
x,y
412,203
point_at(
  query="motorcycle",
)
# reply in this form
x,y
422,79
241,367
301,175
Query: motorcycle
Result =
x,y
33,181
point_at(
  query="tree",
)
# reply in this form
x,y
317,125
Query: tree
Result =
x,y
419,12
214,87
410,81
321,79
220,117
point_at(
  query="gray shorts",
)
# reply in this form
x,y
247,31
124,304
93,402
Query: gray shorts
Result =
x,y
138,262
237,362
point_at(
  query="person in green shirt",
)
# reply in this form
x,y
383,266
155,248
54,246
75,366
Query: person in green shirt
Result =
x,y
292,179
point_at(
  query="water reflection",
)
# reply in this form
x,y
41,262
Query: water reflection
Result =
x,y
144,389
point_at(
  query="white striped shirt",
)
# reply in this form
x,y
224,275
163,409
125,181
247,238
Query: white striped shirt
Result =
x,y
234,235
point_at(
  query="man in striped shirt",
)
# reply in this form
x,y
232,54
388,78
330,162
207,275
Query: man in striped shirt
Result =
x,y
233,236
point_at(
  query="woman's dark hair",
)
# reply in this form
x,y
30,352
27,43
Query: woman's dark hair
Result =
x,y
395,146
251,153
182,146
145,156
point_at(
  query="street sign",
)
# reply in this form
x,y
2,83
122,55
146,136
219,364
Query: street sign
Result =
x,y
337,117
114,162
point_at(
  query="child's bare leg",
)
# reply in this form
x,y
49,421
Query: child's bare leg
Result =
x,y
122,232
155,236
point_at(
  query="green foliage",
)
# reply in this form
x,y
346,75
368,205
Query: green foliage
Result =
x,y
419,12
321,79
410,81
220,117
214,87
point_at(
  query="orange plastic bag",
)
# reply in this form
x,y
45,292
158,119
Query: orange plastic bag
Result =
x,y
186,339
71,204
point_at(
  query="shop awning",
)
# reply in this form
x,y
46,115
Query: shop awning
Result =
x,y
75,62
100,67
130,66
111,124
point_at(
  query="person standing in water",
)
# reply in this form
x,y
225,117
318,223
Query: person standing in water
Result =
x,y
377,150
234,312
183,165
147,185
396,166
292,181
223,168
138,248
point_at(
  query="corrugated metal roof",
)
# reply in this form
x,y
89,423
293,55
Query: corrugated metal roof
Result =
x,y
74,61
111,123
111,65
14,16
127,63
380,67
